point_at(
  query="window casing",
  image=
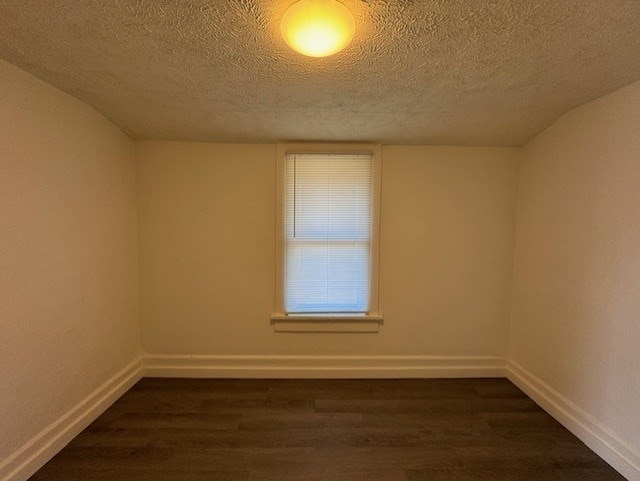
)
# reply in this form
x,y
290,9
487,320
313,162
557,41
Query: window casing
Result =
x,y
328,199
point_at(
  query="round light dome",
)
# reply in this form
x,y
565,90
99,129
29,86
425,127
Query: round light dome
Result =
x,y
317,28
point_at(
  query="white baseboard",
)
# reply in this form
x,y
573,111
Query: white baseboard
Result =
x,y
231,366
47,443
621,455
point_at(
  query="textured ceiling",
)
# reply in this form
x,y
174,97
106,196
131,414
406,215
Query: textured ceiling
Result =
x,y
463,72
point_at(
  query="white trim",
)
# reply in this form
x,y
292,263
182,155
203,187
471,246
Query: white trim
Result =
x,y
314,323
23,463
620,454
376,151
326,326
231,366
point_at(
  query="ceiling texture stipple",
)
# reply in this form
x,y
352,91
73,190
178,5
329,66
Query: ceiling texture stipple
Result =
x,y
456,72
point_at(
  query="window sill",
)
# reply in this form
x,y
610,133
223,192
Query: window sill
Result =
x,y
325,323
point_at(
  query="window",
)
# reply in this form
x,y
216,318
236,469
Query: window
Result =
x,y
328,233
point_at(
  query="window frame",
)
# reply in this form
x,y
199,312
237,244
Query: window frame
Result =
x,y
367,322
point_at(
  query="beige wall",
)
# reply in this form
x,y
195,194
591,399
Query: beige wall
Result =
x,y
447,248
68,259
576,303
207,244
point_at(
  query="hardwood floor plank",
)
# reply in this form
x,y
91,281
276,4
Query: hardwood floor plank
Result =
x,y
282,438
262,421
512,474
426,406
75,474
447,423
154,420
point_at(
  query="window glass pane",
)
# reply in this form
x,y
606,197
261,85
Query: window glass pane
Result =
x,y
327,232
327,277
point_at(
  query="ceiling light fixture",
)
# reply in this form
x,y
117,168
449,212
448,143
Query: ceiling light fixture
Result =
x,y
317,28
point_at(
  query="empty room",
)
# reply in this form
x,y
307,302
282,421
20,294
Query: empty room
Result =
x,y
319,240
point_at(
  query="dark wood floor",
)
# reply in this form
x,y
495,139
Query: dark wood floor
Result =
x,y
312,430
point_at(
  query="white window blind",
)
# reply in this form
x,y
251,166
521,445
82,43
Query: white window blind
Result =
x,y
328,210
